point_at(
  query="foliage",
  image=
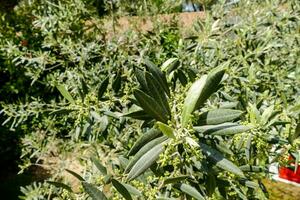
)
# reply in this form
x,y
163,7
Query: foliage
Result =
x,y
151,115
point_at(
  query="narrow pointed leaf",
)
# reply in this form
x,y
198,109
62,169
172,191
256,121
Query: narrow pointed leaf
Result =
x,y
254,113
75,175
169,65
145,161
199,92
157,92
267,114
103,87
222,147
167,130
222,129
191,142
250,184
150,106
229,105
107,179
93,192
99,166
96,116
182,77
60,185
139,114
175,179
240,193
140,75
123,162
248,148
218,116
64,92
191,191
220,161
84,87
211,184
132,190
144,139
158,74
297,132
192,73
146,148
191,99
116,85
121,189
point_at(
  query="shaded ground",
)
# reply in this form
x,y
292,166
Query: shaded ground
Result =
x,y
282,191
10,183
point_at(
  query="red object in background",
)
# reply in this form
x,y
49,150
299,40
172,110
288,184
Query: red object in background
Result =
x,y
289,174
24,43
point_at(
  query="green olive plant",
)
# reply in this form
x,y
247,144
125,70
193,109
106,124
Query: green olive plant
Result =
x,y
185,151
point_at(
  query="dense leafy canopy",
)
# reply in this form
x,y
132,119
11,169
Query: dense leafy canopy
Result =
x,y
161,114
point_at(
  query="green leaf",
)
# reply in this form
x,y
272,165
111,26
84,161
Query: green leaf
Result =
x,y
60,185
229,105
254,113
75,175
123,162
121,189
145,161
182,77
107,179
139,114
151,106
85,88
297,158
190,103
210,184
218,116
192,73
190,191
96,116
170,64
157,92
297,132
191,142
240,193
167,130
140,75
116,115
175,179
266,115
64,92
217,158
93,192
199,92
250,184
222,129
159,75
144,139
103,123
116,85
248,148
132,190
99,166
224,148
147,147
103,87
